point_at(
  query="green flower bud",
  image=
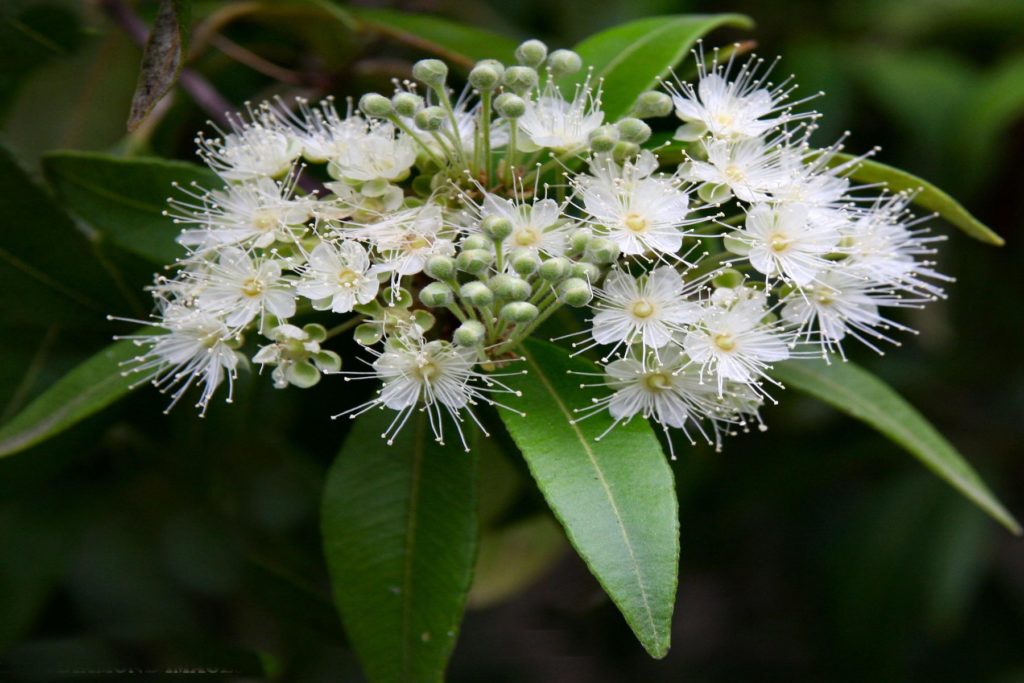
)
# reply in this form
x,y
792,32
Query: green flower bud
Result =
x,y
601,250
437,294
510,288
554,269
497,227
510,106
578,240
406,103
532,53
575,292
633,130
603,138
728,278
469,333
432,72
652,104
484,77
440,267
477,293
519,312
477,242
376,105
625,150
564,63
585,271
498,67
520,79
474,261
524,261
430,118
421,185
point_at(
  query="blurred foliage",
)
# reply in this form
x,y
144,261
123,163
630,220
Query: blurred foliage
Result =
x,y
813,552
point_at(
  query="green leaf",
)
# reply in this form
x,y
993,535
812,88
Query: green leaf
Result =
x,y
162,58
457,43
124,199
987,118
614,497
86,390
860,394
631,57
399,528
928,196
513,557
30,36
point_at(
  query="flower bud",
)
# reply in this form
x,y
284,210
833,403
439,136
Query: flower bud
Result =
x,y
585,271
554,269
430,118
519,79
524,261
532,53
564,63
633,130
601,250
432,72
575,292
474,261
497,227
376,105
440,267
625,150
728,278
509,106
469,333
477,242
437,294
498,67
519,312
477,293
406,103
484,77
652,104
603,138
510,287
578,240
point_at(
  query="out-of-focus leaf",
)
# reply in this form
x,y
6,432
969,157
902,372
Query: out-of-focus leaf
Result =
x,y
927,196
631,57
29,37
513,557
162,58
457,43
614,497
994,106
87,389
860,394
124,199
399,529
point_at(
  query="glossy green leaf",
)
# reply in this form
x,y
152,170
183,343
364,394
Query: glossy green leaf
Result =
x,y
86,390
162,57
614,497
631,57
399,529
457,43
860,394
124,199
928,196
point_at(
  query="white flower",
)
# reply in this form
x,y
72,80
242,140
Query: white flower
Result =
x,y
734,344
782,241
241,288
640,213
257,212
751,169
260,148
556,123
323,133
380,153
338,277
407,238
645,310
538,226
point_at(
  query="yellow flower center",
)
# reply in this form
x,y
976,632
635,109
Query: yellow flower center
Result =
x,y
724,119
725,341
264,221
252,287
347,277
735,173
658,381
415,242
427,370
526,237
635,222
779,242
824,297
643,309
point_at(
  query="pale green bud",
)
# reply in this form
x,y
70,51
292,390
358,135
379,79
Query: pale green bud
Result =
x,y
440,267
652,104
633,130
510,106
469,333
532,53
564,63
430,118
484,77
554,269
625,150
586,271
603,138
524,261
575,292
477,242
728,278
601,250
437,294
474,261
432,72
578,240
406,103
498,67
376,105
510,288
497,227
477,293
520,79
519,312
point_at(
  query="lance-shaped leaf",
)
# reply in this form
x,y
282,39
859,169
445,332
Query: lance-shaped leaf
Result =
x,y
630,58
124,199
162,58
615,497
926,195
399,529
86,390
860,394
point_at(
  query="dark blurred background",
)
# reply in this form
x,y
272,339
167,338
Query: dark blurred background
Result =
x,y
815,552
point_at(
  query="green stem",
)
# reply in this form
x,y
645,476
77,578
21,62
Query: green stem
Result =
x,y
485,129
347,325
446,103
408,131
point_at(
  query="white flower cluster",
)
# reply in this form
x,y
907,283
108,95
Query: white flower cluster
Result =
x,y
445,232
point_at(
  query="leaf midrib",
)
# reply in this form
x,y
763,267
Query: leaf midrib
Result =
x,y
604,484
410,543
